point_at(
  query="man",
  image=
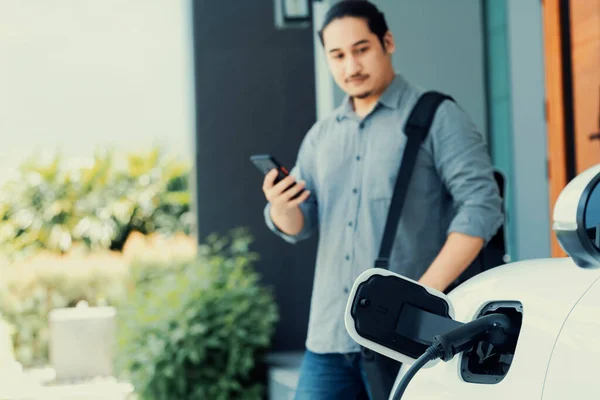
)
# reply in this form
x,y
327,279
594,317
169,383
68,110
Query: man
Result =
x,y
348,163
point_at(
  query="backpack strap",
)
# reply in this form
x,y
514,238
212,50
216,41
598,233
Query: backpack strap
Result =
x,y
416,129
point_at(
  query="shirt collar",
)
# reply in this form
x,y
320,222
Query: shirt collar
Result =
x,y
345,110
390,98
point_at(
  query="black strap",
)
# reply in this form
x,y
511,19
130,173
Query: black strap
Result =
x,y
416,129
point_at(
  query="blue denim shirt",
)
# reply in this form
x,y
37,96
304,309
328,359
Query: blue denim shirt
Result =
x,y
350,166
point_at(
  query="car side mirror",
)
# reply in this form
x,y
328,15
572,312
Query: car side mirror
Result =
x,y
577,218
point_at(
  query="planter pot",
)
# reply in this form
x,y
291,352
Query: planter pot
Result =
x,y
82,341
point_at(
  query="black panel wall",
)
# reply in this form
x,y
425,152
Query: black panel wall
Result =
x,y
255,93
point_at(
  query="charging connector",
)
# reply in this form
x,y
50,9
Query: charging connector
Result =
x,y
495,328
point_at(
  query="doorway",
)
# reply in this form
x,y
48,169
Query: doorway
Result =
x,y
572,63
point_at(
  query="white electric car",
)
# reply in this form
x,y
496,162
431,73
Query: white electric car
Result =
x,y
546,347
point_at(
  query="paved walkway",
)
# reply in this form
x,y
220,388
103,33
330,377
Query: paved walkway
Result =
x,y
39,384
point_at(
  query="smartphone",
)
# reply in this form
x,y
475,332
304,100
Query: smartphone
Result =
x,y
266,162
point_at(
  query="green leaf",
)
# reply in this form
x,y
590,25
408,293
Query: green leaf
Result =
x,y
178,198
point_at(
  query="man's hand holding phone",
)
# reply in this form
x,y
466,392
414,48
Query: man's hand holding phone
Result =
x,y
281,195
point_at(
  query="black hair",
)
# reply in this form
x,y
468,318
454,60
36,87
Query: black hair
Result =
x,y
358,9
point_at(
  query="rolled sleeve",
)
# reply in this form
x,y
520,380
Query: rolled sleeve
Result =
x,y
308,210
464,164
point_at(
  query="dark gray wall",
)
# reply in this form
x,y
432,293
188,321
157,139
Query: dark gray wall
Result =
x,y
255,93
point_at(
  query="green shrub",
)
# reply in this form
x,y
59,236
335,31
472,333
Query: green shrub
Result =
x,y
196,330
60,205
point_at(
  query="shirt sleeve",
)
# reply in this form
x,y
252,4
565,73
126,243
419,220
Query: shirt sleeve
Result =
x,y
302,170
464,165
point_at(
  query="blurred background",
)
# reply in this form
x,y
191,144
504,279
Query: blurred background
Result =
x,y
134,259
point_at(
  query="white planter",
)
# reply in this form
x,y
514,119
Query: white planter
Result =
x,y
81,341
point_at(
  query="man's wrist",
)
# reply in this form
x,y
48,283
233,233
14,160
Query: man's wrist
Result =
x,y
434,284
281,212
287,220
276,212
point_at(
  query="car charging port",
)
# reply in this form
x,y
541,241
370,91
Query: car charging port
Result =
x,y
486,363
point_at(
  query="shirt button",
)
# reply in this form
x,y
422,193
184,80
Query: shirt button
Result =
x,y
347,257
361,125
355,190
357,158
350,223
346,290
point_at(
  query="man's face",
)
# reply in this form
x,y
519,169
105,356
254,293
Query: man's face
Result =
x,y
358,62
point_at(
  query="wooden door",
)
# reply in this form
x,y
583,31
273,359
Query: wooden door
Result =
x,y
585,50
555,107
572,67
